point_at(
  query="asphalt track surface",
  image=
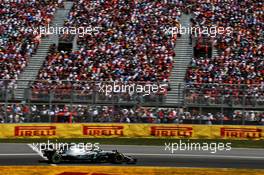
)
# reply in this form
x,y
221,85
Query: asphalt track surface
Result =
x,y
23,154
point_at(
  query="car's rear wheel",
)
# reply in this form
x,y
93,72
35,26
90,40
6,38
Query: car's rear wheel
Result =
x,y
56,158
118,158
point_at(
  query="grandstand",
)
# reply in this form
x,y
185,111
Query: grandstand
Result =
x,y
127,68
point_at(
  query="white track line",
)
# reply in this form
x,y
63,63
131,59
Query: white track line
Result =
x,y
145,154
197,155
20,154
39,153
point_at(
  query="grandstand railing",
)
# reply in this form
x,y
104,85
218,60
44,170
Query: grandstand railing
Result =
x,y
224,95
198,99
12,112
193,95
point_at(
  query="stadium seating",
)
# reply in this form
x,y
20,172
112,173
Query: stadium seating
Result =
x,y
240,64
19,36
131,45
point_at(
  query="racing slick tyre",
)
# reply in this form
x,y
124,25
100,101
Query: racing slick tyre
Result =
x,y
118,159
56,158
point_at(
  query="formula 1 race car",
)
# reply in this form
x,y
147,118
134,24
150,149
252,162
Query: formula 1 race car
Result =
x,y
79,154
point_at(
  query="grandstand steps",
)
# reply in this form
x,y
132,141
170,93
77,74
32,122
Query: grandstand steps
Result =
x,y
184,53
75,46
215,52
36,61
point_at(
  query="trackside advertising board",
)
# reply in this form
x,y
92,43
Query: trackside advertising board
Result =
x,y
131,131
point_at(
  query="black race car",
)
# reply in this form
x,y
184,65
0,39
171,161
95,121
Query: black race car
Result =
x,y
79,154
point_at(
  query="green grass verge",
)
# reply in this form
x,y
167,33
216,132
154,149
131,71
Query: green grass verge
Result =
x,y
141,141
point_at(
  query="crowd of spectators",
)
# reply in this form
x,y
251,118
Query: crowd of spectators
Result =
x,y
241,51
21,113
19,36
131,44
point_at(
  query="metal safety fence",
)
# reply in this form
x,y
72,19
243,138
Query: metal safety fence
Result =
x,y
144,102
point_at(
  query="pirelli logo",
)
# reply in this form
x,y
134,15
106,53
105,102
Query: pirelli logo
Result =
x,y
168,131
35,131
103,130
241,133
